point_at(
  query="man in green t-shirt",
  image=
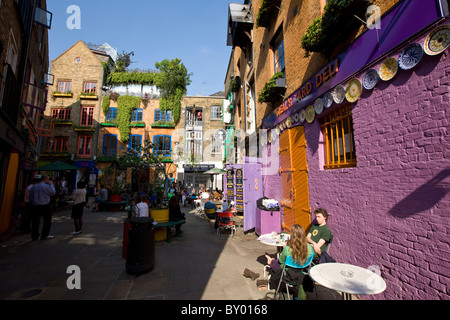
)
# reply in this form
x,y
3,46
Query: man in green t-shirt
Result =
x,y
320,234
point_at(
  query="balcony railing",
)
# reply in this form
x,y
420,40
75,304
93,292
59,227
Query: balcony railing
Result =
x,y
34,96
45,126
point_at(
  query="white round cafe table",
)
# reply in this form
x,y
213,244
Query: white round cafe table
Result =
x,y
348,279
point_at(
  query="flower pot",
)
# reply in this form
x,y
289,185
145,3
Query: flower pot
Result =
x,y
160,216
115,198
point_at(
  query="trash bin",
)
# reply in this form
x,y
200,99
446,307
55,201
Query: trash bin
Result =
x,y
267,219
141,246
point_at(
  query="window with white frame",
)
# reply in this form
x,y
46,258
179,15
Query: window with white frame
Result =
x,y
216,113
216,145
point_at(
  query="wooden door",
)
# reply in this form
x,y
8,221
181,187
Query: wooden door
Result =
x,y
294,172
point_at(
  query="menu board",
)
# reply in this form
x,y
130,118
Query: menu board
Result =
x,y
239,190
230,184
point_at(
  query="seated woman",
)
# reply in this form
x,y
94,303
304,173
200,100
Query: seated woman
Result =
x,y
175,213
297,247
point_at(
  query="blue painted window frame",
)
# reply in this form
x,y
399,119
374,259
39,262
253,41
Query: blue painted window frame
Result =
x,y
110,146
160,116
166,144
111,114
137,115
135,144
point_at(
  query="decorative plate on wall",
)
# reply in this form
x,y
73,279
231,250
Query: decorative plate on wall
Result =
x,y
437,41
310,114
353,90
289,122
410,56
388,69
302,115
370,79
318,106
327,100
339,94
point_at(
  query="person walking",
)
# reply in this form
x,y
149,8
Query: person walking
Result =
x,y
79,197
40,195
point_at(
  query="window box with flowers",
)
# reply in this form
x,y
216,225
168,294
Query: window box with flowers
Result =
x,y
83,129
267,10
273,88
235,85
163,124
140,124
59,94
90,96
62,122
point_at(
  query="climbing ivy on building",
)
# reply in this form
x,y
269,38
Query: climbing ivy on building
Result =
x,y
125,105
173,79
105,104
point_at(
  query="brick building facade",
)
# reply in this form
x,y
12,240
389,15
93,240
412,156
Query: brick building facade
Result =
x,y
198,147
74,105
23,90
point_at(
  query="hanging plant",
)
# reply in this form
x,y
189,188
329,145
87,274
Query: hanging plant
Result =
x,y
235,84
337,20
265,92
131,77
125,105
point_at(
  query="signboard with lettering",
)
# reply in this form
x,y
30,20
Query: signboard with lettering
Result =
x,y
239,190
230,184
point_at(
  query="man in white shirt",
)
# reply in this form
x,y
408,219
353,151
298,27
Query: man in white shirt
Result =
x,y
39,196
141,207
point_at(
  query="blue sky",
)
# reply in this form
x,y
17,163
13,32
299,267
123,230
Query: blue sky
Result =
x,y
191,30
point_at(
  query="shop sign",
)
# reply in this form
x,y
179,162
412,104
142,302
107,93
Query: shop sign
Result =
x,y
230,184
310,87
84,164
239,190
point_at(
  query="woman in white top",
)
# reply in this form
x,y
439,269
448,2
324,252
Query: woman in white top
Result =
x,y
79,198
141,207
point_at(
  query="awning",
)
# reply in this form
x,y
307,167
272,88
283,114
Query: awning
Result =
x,y
56,166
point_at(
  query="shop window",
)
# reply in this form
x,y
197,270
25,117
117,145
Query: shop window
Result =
x,y
339,145
137,115
111,115
61,114
84,146
87,116
109,145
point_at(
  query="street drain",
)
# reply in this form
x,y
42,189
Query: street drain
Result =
x,y
31,293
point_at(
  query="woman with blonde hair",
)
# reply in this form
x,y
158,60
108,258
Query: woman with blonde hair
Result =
x,y
297,247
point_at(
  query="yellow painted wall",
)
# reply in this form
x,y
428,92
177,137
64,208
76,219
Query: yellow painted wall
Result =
x,y
10,191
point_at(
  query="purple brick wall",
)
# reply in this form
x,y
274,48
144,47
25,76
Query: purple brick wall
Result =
x,y
392,210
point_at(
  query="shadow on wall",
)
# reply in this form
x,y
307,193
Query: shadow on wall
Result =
x,y
423,198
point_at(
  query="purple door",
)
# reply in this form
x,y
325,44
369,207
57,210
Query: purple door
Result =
x,y
253,190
